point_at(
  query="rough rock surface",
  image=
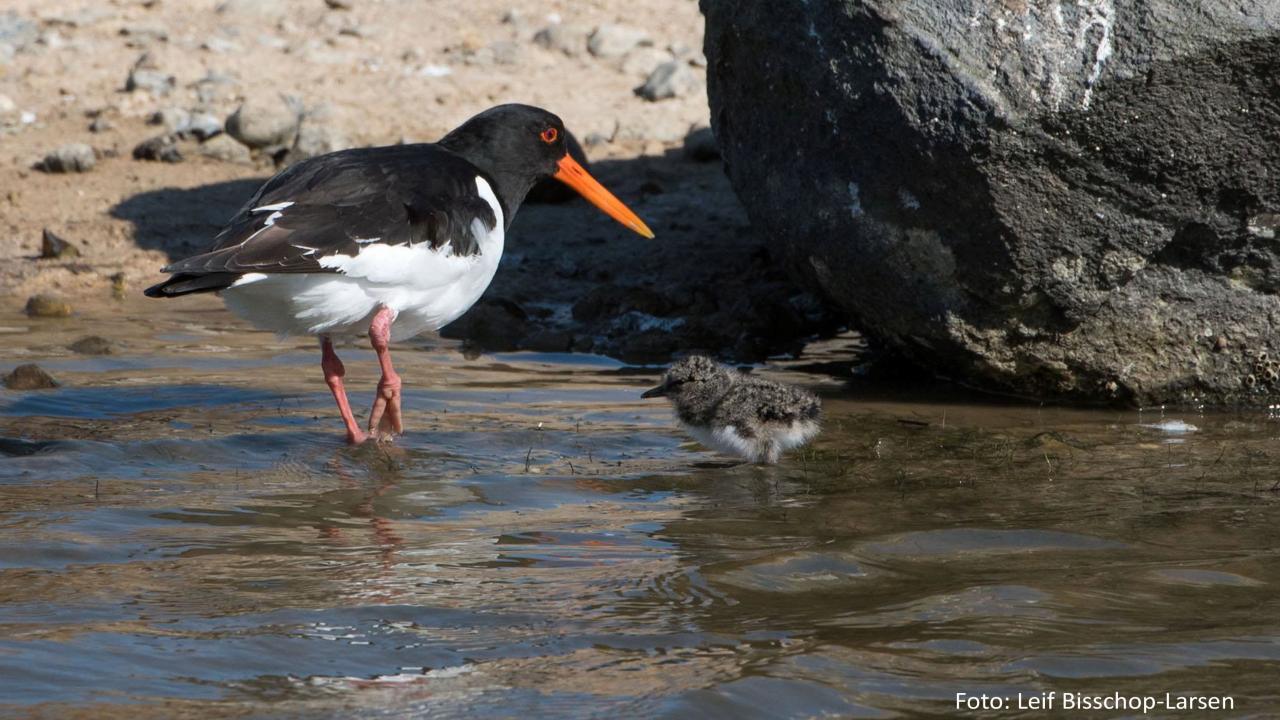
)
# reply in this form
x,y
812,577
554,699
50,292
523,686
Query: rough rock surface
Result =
x,y
72,157
29,377
1053,198
266,120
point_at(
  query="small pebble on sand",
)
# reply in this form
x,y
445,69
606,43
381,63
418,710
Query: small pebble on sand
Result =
x,y
47,306
72,157
53,247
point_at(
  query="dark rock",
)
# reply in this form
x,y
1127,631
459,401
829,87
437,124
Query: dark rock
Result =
x,y
494,325
552,191
607,301
53,247
29,377
92,345
47,306
551,341
72,157
700,145
669,80
339,4
161,148
647,346
1050,204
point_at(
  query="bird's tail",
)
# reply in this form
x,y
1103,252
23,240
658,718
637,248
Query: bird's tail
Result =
x,y
188,283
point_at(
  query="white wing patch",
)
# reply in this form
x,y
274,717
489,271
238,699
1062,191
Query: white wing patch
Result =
x,y
249,278
274,207
277,212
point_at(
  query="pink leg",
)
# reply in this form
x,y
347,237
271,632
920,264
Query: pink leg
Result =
x,y
384,419
333,372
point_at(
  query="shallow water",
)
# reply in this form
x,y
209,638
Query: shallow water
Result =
x,y
183,535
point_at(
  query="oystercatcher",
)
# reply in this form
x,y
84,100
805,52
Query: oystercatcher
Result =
x,y
391,241
751,417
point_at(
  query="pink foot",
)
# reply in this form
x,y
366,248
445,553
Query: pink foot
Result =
x,y
384,419
333,374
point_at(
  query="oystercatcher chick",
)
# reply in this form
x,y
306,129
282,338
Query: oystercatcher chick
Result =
x,y
751,417
390,241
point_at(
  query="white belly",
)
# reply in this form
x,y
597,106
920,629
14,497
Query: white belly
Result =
x,y
426,288
767,444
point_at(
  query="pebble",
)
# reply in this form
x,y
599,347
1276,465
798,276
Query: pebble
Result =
x,y
72,157
92,345
700,145
16,32
161,148
53,247
339,4
220,46
261,8
226,149
213,87
640,62
315,139
100,124
669,80
7,105
614,41
174,119
202,127
269,120
691,55
156,82
29,377
47,306
568,39
145,34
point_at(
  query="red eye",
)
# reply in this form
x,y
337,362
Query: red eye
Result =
x,y
549,135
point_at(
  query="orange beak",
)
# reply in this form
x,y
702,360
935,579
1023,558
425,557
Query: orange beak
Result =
x,y
573,175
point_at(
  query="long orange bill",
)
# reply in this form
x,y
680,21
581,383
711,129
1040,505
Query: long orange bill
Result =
x,y
573,175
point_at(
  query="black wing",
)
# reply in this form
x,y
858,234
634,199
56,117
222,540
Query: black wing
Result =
x,y
335,203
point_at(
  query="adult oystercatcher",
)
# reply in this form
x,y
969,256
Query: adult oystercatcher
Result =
x,y
751,417
391,240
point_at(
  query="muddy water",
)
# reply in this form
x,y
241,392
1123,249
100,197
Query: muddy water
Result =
x,y
182,535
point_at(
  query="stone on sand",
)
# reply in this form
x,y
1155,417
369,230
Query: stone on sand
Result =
x,y
29,377
669,80
47,306
265,121
53,247
72,157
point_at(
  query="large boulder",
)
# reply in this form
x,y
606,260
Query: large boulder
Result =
x,y
1076,199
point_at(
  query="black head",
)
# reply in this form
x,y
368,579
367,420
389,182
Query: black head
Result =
x,y
691,376
518,145
511,142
